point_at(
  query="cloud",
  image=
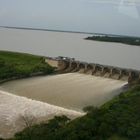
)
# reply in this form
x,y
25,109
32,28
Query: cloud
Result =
x,y
3,12
128,7
114,2
125,7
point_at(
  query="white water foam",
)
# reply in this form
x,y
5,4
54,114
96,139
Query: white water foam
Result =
x,y
13,108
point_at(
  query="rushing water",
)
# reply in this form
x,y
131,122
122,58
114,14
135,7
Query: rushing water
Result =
x,y
70,44
72,90
14,110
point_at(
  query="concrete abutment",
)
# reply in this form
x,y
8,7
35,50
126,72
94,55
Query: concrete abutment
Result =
x,y
71,65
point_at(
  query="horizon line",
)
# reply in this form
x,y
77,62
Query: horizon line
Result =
x,y
65,31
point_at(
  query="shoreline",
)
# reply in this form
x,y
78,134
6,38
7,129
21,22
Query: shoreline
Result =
x,y
13,108
63,31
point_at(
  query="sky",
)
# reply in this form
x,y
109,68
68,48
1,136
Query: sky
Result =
x,y
120,17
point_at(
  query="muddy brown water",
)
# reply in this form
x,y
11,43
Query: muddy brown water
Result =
x,y
71,90
73,45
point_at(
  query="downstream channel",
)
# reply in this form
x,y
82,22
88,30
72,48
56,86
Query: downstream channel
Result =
x,y
71,90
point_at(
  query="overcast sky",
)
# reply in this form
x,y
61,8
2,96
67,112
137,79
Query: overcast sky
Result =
x,y
100,16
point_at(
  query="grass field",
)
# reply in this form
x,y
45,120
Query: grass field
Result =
x,y
13,64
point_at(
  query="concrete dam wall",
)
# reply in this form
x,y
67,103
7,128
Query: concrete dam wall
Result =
x,y
67,65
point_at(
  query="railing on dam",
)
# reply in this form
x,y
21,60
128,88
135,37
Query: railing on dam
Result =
x,y
65,65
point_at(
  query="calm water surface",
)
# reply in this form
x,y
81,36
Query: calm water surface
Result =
x,y
70,44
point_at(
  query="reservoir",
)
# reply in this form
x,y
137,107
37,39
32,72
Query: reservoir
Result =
x,y
73,45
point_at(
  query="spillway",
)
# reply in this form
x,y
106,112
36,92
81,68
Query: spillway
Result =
x,y
71,90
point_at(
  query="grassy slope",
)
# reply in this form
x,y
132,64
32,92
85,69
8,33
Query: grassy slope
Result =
x,y
21,65
118,119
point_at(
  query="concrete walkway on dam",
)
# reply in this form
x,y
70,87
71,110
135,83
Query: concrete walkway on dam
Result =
x,y
70,65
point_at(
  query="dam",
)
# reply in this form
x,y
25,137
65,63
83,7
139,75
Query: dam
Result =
x,y
70,65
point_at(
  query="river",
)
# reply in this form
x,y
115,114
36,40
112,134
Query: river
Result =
x,y
73,90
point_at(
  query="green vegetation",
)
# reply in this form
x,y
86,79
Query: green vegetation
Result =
x,y
125,40
118,119
17,65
